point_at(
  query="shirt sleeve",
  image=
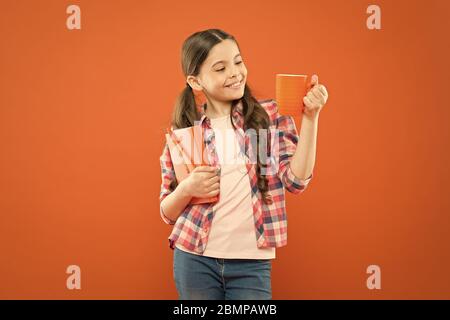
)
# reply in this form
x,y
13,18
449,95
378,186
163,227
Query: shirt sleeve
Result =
x,y
288,140
167,177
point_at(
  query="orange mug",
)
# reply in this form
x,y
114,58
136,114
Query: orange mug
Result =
x,y
290,90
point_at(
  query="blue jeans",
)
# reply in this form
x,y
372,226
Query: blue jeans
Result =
x,y
205,278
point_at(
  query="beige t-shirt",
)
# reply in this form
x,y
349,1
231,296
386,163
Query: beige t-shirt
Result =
x,y
232,234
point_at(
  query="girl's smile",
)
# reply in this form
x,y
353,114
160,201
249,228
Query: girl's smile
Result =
x,y
237,85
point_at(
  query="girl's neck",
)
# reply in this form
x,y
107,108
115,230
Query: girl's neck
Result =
x,y
217,109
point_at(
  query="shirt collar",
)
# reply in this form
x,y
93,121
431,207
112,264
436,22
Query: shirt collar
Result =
x,y
237,115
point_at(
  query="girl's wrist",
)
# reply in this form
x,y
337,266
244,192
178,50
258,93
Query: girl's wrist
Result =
x,y
184,189
311,117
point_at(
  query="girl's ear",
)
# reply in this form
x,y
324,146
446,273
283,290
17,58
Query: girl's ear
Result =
x,y
194,83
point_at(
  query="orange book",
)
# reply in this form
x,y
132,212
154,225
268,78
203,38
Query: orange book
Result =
x,y
186,149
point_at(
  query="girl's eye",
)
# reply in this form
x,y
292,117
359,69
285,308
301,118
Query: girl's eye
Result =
x,y
224,68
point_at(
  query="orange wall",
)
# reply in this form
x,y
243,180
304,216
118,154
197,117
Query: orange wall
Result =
x,y
82,116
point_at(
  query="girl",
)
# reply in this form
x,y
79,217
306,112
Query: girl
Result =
x,y
223,250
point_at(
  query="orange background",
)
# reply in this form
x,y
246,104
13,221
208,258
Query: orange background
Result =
x,y
83,114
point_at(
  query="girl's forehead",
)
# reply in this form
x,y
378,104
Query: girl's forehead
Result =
x,y
223,51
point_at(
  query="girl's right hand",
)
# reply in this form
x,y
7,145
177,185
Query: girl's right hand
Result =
x,y
203,182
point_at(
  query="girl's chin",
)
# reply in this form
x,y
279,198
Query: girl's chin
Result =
x,y
236,95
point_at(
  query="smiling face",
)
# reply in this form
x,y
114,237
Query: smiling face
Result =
x,y
223,67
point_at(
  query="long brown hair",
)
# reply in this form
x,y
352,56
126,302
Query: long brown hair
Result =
x,y
194,52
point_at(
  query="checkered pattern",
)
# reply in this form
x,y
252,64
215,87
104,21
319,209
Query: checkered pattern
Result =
x,y
191,229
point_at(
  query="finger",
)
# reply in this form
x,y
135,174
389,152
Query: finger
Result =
x,y
323,89
202,168
213,179
214,187
214,173
312,97
208,176
212,193
314,81
205,169
307,101
316,93
316,98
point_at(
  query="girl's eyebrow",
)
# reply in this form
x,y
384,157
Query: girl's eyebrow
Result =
x,y
223,61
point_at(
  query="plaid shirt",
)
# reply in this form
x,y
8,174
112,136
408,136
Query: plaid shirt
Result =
x,y
192,227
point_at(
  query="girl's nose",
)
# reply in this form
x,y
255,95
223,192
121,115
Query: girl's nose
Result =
x,y
235,74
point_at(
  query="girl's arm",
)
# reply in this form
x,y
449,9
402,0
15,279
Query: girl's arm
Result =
x,y
203,181
173,204
305,156
302,163
172,201
288,149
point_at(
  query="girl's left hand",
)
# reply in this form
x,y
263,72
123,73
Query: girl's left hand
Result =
x,y
315,98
